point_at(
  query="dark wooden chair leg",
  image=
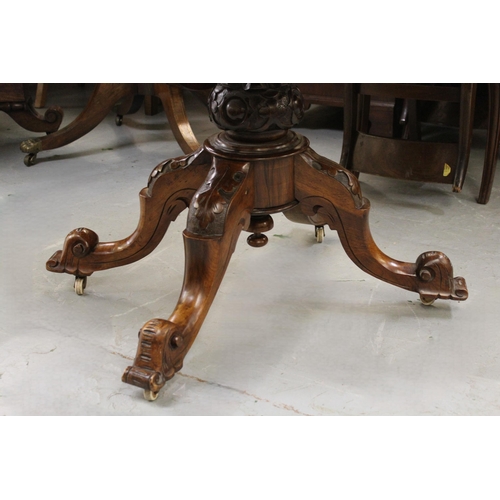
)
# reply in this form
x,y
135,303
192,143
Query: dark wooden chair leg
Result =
x,y
411,125
467,101
493,139
350,113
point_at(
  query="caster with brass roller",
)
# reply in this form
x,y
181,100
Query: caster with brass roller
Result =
x,y
29,160
319,232
150,395
80,284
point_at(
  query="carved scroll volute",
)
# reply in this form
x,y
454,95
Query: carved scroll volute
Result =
x,y
435,274
256,107
159,356
78,244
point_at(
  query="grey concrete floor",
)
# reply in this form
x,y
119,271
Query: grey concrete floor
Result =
x,y
296,328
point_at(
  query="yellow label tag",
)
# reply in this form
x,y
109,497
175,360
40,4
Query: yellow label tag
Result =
x,y
446,170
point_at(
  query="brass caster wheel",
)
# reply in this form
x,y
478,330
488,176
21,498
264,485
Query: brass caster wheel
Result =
x,y
29,160
80,285
427,301
150,395
119,120
319,232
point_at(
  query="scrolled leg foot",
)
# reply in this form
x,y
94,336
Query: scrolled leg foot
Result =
x,y
434,273
160,353
78,245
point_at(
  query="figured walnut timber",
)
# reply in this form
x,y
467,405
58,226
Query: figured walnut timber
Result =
x,y
255,167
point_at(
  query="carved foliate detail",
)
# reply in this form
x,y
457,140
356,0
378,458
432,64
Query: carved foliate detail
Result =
x,y
256,107
179,163
210,203
340,174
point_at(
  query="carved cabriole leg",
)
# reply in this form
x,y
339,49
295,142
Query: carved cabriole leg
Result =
x,y
171,186
219,211
330,194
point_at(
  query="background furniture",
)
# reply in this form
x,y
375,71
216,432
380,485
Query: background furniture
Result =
x,y
411,159
389,115
41,95
384,112
16,102
128,98
152,104
493,138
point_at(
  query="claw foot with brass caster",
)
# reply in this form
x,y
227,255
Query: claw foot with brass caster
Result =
x,y
31,147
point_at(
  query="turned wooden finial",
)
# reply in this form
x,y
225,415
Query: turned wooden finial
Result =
x,y
258,225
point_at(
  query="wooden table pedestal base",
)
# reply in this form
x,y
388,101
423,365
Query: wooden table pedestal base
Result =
x,y
233,183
